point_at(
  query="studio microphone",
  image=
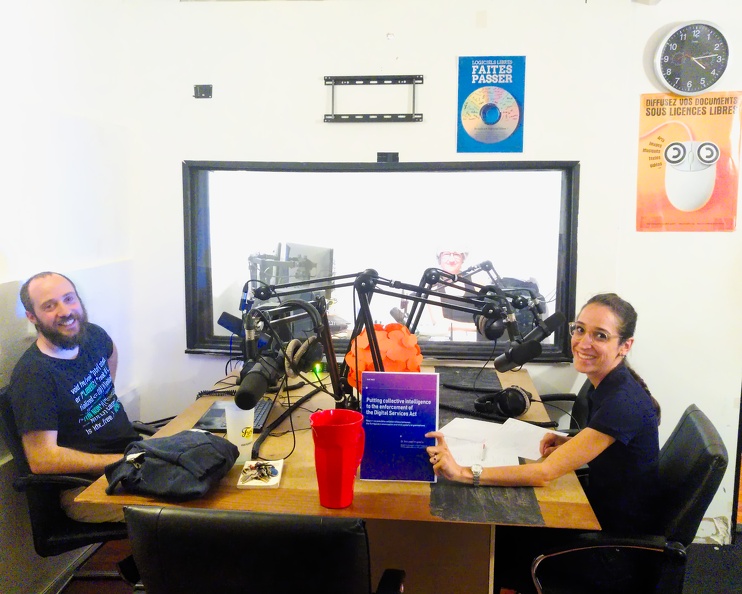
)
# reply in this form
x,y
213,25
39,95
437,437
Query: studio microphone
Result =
x,y
256,381
244,301
399,316
530,347
546,327
250,334
517,355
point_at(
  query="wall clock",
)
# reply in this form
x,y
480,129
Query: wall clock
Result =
x,y
691,58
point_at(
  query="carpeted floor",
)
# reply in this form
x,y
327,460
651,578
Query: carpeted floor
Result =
x,y
714,569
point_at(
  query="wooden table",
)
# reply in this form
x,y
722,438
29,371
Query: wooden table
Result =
x,y
439,555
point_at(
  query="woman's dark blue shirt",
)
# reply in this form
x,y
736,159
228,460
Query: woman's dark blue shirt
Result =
x,y
624,481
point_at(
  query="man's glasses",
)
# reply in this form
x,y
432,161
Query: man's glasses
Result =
x,y
579,331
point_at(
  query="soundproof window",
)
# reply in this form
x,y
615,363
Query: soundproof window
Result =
x,y
509,223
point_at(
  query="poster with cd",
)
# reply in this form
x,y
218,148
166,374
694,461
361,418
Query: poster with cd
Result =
x,y
491,104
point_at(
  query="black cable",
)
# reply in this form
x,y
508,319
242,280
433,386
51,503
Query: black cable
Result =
x,y
473,413
291,423
227,366
289,411
472,389
217,392
277,388
224,382
268,326
494,417
320,386
559,408
491,355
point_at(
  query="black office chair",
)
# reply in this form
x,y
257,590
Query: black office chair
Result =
x,y
53,532
577,418
578,414
691,466
191,551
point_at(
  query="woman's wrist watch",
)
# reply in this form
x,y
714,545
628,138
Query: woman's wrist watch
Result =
x,y
476,472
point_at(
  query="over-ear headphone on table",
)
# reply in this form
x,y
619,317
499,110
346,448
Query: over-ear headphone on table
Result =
x,y
508,402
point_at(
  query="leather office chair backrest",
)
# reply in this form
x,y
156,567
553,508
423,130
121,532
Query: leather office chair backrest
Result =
x,y
192,550
692,464
580,407
9,433
53,532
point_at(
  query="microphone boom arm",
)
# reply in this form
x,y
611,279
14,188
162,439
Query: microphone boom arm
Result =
x,y
493,298
490,302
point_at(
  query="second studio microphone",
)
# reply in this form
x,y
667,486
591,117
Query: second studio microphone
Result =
x,y
255,382
530,348
399,316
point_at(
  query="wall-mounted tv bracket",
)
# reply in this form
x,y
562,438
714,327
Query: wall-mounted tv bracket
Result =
x,y
412,79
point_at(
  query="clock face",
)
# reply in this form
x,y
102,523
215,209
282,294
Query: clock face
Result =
x,y
692,58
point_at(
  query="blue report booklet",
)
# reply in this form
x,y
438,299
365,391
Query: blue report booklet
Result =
x,y
398,410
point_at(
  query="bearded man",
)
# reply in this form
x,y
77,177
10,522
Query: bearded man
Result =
x,y
64,401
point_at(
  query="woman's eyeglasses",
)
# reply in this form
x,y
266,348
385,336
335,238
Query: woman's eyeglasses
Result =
x,y
579,331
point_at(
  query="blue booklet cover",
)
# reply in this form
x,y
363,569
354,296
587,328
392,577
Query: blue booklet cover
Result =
x,y
398,410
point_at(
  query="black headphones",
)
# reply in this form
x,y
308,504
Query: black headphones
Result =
x,y
508,402
491,329
301,356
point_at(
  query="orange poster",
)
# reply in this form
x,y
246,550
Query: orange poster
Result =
x,y
688,175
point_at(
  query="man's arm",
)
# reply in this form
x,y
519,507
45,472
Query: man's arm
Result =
x,y
46,457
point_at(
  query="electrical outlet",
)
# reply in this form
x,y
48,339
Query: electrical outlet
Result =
x,y
202,91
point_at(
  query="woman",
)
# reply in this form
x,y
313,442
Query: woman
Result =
x,y
451,324
620,443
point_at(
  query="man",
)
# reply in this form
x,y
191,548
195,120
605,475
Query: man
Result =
x,y
62,392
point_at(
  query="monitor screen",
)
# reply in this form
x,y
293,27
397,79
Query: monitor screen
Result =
x,y
308,261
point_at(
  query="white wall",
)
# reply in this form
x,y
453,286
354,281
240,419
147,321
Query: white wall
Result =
x,y
99,115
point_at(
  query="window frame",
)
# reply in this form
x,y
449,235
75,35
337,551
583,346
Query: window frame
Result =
x,y
199,303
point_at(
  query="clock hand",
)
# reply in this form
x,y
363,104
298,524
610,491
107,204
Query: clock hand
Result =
x,y
697,62
706,56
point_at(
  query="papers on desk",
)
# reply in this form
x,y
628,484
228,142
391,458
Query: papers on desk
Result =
x,y
493,444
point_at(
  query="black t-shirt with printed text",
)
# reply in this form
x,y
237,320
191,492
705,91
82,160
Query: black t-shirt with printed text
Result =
x,y
74,397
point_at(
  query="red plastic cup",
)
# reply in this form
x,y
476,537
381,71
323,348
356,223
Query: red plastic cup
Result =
x,y
338,448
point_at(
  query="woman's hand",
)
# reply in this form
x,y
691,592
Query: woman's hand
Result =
x,y
551,442
440,457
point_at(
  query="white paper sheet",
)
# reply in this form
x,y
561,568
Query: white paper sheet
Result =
x,y
472,441
524,437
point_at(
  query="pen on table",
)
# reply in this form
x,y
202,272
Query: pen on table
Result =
x,y
484,450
